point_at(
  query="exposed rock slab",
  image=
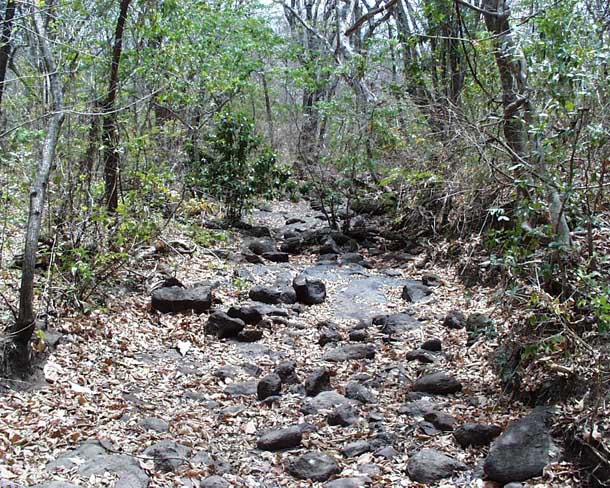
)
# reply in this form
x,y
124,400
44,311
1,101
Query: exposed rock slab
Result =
x,y
175,299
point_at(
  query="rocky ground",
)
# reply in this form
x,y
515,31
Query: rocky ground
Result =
x,y
291,357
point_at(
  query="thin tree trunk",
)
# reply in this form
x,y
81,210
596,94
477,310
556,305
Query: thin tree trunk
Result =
x,y
110,133
5,41
519,111
25,323
268,109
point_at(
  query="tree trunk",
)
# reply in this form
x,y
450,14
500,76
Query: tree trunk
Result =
x,y
5,41
24,326
268,111
519,111
110,132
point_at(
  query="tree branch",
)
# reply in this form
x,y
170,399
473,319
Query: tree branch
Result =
x,y
369,15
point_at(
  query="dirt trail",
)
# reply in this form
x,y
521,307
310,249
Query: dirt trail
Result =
x,y
150,399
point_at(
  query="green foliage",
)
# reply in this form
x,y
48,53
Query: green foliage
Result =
x,y
237,166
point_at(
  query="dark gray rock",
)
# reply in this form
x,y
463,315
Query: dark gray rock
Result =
x,y
396,323
175,299
343,415
223,326
437,383
262,246
329,334
309,291
356,448
387,452
358,335
270,385
154,423
92,458
317,382
245,388
348,352
277,257
293,245
329,246
430,279
430,466
418,408
442,421
476,434
421,355
434,345
295,220
359,392
522,451
215,481
167,455
279,439
315,466
286,370
327,400
272,296
250,315
249,334
414,291
455,320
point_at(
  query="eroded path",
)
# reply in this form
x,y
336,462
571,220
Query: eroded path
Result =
x,y
385,382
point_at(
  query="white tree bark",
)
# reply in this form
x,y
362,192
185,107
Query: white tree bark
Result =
x,y
24,326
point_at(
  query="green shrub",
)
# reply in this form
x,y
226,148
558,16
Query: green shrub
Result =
x,y
237,167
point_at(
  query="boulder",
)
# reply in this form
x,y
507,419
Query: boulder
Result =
x,y
437,384
396,323
343,415
329,334
421,355
356,448
327,400
277,257
455,320
430,466
348,352
250,315
223,326
262,246
317,382
309,291
286,370
175,299
270,385
522,451
359,392
249,335
442,421
272,296
476,434
315,466
434,345
279,439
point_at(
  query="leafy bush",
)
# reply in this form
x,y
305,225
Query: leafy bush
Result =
x,y
237,167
